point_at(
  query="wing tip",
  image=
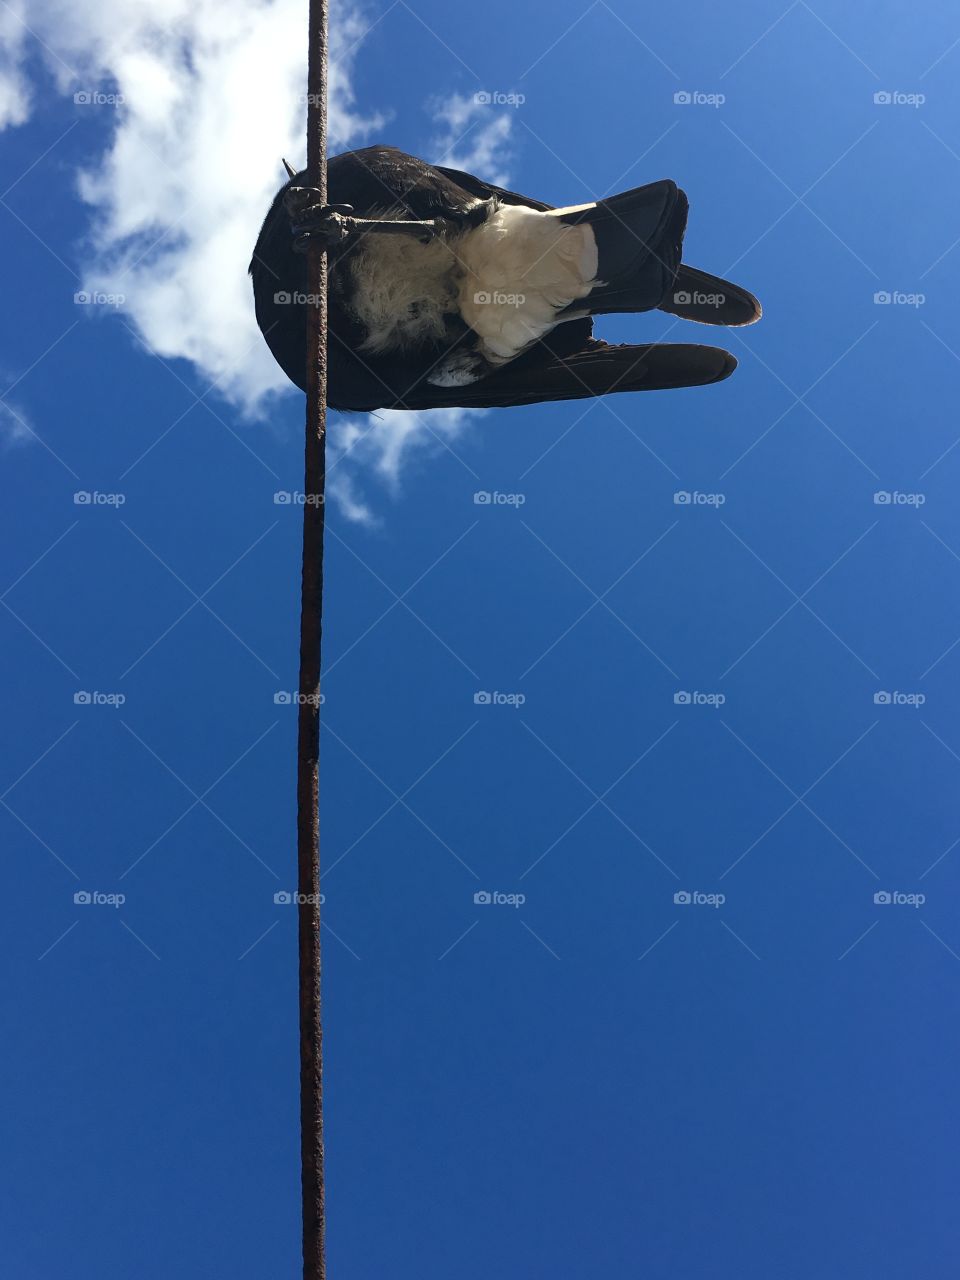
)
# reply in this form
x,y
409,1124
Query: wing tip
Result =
x,y
727,366
708,299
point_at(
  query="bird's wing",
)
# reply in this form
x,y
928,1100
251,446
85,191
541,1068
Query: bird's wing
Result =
x,y
485,190
708,299
378,177
596,369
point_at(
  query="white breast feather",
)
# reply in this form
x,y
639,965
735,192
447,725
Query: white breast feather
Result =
x,y
402,290
508,278
521,267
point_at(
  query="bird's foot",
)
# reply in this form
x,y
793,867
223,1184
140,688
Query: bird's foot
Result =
x,y
314,222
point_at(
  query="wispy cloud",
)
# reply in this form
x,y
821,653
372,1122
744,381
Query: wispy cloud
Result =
x,y
475,136
15,429
15,96
381,446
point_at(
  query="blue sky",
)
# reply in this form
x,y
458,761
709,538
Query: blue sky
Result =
x,y
600,1079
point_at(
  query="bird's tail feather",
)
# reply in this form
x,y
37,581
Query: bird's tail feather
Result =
x,y
639,237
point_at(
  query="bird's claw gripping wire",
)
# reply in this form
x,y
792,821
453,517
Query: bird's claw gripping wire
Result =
x,y
329,225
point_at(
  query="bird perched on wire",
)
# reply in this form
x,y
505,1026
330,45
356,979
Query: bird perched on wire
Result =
x,y
446,291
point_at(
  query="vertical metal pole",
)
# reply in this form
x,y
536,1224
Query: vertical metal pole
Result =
x,y
308,735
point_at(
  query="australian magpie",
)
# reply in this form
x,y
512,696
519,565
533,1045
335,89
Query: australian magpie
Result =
x,y
491,303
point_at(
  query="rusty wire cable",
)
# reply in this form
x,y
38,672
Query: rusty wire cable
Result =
x,y
308,727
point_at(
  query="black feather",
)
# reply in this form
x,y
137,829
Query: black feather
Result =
x,y
567,364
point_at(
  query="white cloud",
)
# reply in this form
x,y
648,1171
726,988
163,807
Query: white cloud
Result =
x,y
15,97
14,427
382,444
195,161
211,95
475,137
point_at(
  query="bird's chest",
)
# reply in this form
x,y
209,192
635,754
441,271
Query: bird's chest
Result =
x,y
404,294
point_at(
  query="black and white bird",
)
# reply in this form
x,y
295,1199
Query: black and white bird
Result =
x,y
490,305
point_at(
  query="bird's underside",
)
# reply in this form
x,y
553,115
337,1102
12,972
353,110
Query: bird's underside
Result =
x,y
492,305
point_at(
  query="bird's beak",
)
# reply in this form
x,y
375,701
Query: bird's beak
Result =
x,y
291,172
